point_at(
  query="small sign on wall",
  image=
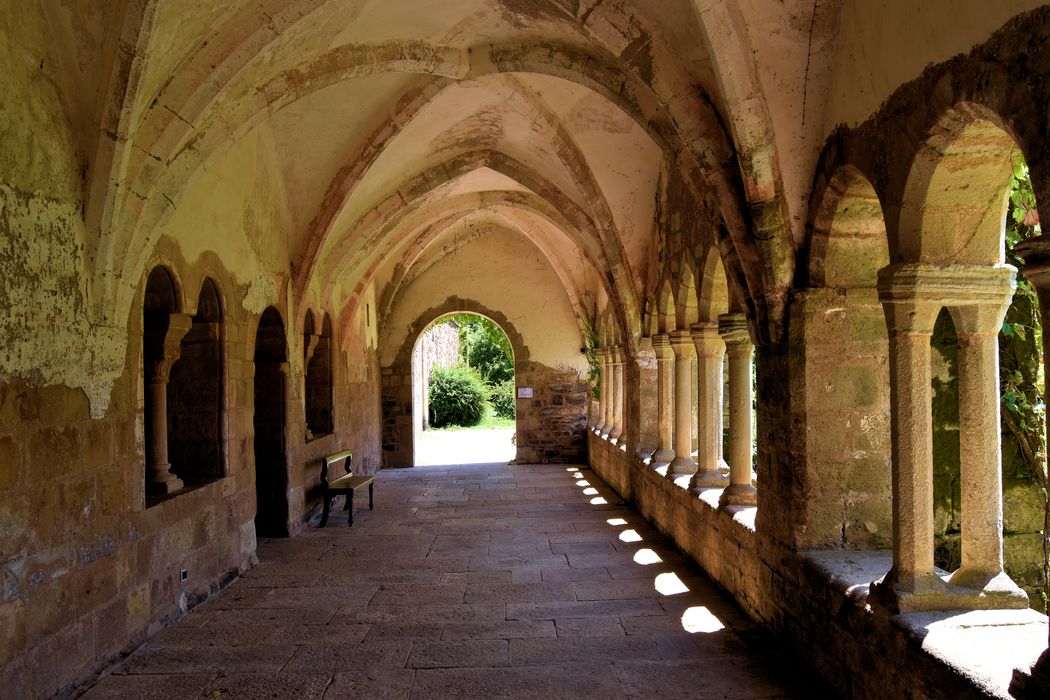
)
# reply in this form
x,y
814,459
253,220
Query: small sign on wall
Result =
x,y
524,392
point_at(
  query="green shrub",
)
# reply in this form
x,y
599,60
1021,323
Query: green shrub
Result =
x,y
484,346
502,399
457,397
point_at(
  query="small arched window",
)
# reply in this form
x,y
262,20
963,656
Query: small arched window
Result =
x,y
195,395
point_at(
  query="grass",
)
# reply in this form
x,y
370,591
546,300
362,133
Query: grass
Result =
x,y
488,421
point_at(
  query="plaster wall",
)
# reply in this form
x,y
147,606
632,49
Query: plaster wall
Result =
x,y
881,46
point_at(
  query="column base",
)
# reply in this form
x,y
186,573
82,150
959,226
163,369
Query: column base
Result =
x,y
681,466
614,436
1032,682
661,458
739,495
938,592
162,482
716,477
995,588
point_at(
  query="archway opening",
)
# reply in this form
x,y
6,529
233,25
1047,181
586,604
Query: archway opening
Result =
x,y
464,392
271,468
967,203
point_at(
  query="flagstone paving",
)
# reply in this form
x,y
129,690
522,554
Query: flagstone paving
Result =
x,y
473,581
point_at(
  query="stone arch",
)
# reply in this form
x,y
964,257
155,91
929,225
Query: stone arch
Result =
x,y
695,140
431,232
600,245
848,242
398,399
954,199
665,306
687,311
714,288
270,424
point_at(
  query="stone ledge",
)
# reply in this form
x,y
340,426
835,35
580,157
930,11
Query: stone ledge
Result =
x,y
982,646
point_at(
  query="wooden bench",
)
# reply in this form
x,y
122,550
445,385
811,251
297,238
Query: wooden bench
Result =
x,y
345,484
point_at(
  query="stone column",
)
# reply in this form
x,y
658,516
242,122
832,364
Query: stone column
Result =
x,y
910,327
665,391
683,463
733,329
646,415
1034,682
980,456
161,349
912,295
710,349
616,434
603,392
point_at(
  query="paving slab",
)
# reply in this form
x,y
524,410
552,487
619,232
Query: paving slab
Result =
x,y
474,580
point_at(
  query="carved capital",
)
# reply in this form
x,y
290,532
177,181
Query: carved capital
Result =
x,y
734,331
162,344
707,340
662,347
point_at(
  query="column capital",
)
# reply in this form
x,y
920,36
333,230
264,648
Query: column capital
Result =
x,y
947,285
707,340
680,341
734,330
662,346
162,345
645,354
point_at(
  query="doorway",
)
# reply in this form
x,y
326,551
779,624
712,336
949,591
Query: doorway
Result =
x,y
463,392
271,464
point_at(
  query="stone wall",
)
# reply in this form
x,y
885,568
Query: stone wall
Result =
x,y
89,571
810,599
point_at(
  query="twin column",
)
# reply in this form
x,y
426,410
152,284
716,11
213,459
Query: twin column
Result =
x,y
977,297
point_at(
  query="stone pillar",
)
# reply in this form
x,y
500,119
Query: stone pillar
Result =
x,y
980,456
665,391
1034,682
161,349
912,295
733,329
710,350
683,463
644,418
603,393
616,433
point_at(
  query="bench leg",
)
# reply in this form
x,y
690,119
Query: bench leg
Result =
x,y
370,495
327,508
350,507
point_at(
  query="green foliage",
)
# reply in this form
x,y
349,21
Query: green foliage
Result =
x,y
485,348
457,396
1021,378
502,399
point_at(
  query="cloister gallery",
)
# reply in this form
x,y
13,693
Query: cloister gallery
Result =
x,y
771,271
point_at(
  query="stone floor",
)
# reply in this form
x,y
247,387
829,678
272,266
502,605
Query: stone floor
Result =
x,y
476,581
